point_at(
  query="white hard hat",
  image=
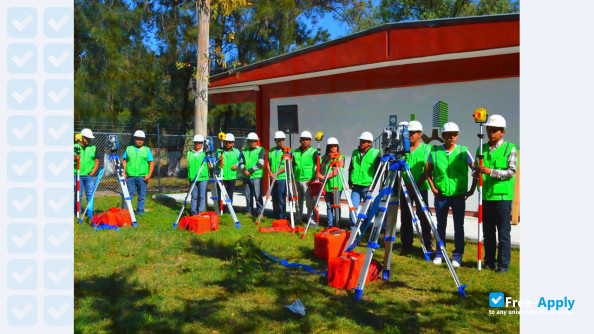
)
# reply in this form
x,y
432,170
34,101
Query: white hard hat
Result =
x,y
494,120
305,134
139,134
229,137
450,127
87,133
279,135
403,123
332,141
415,126
365,136
252,136
198,138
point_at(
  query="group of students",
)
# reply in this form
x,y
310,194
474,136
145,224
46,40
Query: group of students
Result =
x,y
442,169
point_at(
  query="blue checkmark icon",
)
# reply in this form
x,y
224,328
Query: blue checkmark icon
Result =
x,y
496,299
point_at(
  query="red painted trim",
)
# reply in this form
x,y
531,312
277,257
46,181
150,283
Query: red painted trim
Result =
x,y
235,97
399,43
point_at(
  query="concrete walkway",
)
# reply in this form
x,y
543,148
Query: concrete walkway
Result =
x,y
470,223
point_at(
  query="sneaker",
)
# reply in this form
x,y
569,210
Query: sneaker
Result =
x,y
437,260
249,215
489,266
455,264
501,270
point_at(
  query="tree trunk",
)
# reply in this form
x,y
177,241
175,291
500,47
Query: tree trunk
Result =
x,y
201,101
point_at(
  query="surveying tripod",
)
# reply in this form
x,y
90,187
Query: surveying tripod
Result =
x,y
392,176
290,187
334,164
210,163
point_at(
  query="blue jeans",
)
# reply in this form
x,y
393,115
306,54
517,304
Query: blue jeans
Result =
x,y
329,197
458,205
357,195
134,183
199,192
496,221
87,183
253,190
278,199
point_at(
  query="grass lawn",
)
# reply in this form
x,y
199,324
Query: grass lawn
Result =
x,y
156,279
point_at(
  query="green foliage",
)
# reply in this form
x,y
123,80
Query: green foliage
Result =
x,y
247,258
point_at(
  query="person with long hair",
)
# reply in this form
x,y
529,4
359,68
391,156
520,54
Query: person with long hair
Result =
x,y
332,157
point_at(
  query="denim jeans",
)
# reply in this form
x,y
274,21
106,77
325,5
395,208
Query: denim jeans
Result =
x,y
278,199
253,190
304,196
496,219
199,192
406,227
458,205
329,197
136,183
87,183
358,194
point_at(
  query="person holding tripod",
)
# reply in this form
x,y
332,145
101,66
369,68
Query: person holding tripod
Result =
x,y
273,168
364,163
227,162
332,155
304,165
447,173
195,159
251,164
86,154
498,172
138,168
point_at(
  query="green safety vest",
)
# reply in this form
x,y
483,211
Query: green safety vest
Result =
x,y
495,189
363,167
229,159
87,159
450,172
304,164
335,180
250,157
137,161
195,160
274,157
417,161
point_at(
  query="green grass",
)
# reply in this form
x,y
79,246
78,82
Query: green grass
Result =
x,y
155,279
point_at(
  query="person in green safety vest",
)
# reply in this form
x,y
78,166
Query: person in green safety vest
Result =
x,y
417,161
195,158
304,165
498,173
86,154
227,163
274,167
333,181
138,168
251,164
447,172
364,163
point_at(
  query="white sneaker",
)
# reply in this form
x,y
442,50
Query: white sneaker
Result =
x,y
455,264
437,261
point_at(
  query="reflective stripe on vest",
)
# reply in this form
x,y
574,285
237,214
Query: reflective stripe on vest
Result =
x,y
450,171
335,180
274,158
229,159
87,159
195,160
137,161
417,161
495,189
363,167
304,164
250,157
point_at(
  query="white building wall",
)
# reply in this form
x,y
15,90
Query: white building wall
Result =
x,y
346,115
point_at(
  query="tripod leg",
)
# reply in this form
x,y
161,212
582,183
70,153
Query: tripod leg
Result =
x,y
372,244
123,185
310,218
390,233
415,219
181,212
289,195
90,203
436,234
352,208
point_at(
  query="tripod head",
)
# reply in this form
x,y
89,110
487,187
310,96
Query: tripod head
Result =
x,y
395,139
113,144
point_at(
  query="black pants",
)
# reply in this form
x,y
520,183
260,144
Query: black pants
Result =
x,y
406,227
496,220
230,187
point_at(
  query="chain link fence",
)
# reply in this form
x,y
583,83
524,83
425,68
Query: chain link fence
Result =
x,y
169,153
